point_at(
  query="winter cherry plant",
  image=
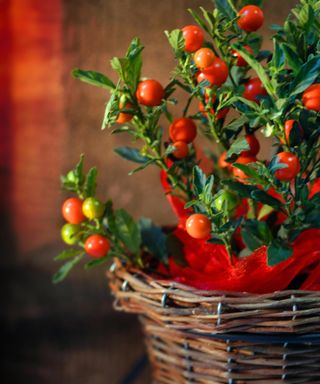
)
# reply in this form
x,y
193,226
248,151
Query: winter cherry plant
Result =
x,y
246,202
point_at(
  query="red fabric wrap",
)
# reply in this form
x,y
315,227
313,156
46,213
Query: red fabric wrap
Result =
x,y
210,268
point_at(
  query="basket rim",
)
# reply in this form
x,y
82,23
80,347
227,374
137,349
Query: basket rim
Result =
x,y
172,285
181,307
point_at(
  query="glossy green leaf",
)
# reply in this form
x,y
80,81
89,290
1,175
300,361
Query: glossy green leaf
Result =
x,y
93,78
65,269
127,231
154,239
131,154
277,253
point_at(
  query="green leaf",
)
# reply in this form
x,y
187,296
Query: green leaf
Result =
x,y
131,154
142,167
120,65
65,269
111,112
306,76
278,252
68,253
238,146
176,249
129,68
226,8
199,180
176,40
254,64
275,164
242,189
265,211
215,239
93,78
278,58
249,171
198,19
293,60
209,17
127,231
109,218
97,262
255,234
134,55
75,178
90,184
235,126
154,239
264,198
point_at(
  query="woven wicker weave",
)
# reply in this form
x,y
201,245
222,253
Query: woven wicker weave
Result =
x,y
203,337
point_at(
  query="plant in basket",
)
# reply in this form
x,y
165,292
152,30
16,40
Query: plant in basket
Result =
x,y
247,225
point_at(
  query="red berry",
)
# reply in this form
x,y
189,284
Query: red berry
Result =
x,y
311,97
198,226
72,211
193,38
222,161
150,93
202,108
253,144
287,130
183,129
125,117
251,18
240,62
253,89
97,246
238,173
181,150
315,188
216,74
292,169
203,58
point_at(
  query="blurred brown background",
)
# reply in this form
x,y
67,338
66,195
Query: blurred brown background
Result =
x,y
69,334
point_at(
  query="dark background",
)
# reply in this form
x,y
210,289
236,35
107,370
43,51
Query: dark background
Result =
x,y
69,333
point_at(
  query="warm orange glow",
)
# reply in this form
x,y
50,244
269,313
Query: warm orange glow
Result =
x,y
36,116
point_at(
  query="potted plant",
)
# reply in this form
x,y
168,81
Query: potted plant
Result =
x,y
230,294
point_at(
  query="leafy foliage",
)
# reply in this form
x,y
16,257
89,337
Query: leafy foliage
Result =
x,y
273,211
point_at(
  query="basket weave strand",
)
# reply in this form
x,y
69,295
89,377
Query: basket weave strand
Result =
x,y
205,337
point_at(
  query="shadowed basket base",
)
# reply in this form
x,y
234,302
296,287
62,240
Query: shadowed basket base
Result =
x,y
214,337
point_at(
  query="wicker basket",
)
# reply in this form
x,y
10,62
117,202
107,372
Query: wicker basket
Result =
x,y
203,337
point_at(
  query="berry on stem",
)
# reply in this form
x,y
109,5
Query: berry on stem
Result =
x,y
253,144
242,160
253,89
216,74
97,246
181,150
125,117
288,126
198,226
70,233
92,208
251,18
72,211
292,169
193,38
222,161
203,58
240,61
202,108
311,97
315,188
150,93
183,129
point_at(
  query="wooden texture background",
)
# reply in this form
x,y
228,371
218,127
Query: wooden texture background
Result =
x,y
69,334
